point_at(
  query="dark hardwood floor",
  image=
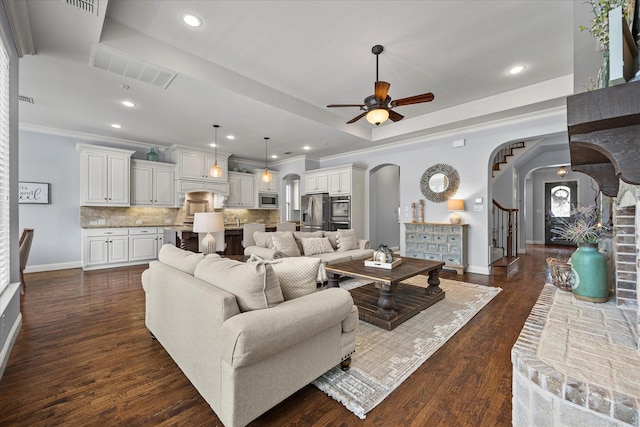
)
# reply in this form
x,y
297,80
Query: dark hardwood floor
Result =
x,y
84,357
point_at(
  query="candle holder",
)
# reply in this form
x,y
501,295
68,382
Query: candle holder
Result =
x,y
413,212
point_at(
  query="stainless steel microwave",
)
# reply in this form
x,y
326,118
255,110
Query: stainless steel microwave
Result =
x,y
268,200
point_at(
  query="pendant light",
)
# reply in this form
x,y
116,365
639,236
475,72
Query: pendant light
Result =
x,y
562,171
266,175
215,170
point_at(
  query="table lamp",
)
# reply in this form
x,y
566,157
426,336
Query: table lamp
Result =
x,y
455,205
208,222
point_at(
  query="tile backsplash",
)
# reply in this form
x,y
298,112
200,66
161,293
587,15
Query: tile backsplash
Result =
x,y
102,216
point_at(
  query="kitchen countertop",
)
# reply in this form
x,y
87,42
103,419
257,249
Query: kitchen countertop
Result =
x,y
176,227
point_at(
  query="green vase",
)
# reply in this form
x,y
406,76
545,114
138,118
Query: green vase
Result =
x,y
589,270
152,155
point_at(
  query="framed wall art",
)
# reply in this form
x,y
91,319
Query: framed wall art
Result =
x,y
33,192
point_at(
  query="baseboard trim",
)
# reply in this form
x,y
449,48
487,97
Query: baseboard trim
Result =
x,y
479,270
51,267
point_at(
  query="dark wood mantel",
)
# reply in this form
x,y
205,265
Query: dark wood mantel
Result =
x,y
604,135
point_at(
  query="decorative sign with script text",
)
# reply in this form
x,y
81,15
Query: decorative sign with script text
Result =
x,y
33,192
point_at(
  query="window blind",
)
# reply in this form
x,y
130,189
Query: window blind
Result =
x,y
5,246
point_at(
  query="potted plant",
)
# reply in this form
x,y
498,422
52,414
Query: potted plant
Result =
x,y
588,265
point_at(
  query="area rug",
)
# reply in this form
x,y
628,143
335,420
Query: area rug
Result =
x,y
384,359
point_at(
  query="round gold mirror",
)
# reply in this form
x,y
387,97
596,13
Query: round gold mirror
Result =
x,y
439,183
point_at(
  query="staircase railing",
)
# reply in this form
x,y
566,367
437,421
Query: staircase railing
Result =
x,y
504,233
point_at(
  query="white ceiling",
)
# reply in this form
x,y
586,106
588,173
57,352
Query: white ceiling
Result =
x,y
269,68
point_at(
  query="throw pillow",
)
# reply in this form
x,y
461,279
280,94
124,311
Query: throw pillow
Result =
x,y
333,238
255,285
347,240
297,276
285,243
299,235
263,239
316,245
185,261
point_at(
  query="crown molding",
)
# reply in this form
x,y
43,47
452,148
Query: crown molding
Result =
x,y
18,16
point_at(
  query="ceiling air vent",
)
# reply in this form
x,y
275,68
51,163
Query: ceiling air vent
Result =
x,y
26,99
90,6
124,65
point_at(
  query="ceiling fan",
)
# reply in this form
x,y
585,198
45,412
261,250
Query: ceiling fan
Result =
x,y
378,107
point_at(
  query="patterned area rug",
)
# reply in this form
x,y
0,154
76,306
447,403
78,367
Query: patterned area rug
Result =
x,y
384,359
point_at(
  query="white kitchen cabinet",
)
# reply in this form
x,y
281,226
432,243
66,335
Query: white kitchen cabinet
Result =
x,y
194,165
240,190
152,183
267,187
106,246
316,182
144,243
340,182
118,247
104,176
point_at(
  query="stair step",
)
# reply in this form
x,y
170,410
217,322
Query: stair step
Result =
x,y
504,266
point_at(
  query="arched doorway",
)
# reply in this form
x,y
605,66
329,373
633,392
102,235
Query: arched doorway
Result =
x,y
384,205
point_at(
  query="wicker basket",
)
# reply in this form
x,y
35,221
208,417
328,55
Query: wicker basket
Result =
x,y
560,271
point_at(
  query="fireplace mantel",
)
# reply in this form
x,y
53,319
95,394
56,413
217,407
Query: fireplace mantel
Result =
x,y
604,135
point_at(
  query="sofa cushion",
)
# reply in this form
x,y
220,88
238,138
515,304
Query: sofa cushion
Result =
x,y
347,240
255,285
333,238
299,235
185,261
285,243
263,239
333,257
316,245
297,276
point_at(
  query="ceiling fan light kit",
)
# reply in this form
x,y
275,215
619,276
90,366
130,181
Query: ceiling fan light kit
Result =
x,y
378,107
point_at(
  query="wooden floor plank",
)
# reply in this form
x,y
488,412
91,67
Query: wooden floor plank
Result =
x,y
84,357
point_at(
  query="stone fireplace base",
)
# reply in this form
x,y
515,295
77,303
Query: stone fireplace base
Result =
x,y
576,364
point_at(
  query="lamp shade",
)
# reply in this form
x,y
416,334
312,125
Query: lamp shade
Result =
x,y
208,222
455,205
377,116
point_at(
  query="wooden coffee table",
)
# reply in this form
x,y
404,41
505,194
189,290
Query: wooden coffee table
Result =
x,y
387,302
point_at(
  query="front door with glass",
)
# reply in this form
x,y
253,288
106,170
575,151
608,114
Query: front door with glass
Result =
x,y
559,198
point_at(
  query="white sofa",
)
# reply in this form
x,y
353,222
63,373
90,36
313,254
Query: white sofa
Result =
x,y
248,350
329,246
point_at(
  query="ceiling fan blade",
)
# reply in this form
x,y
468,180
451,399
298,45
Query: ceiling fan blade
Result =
x,y
345,105
417,99
381,89
393,116
355,119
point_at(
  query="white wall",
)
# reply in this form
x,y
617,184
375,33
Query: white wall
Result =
x,y
57,236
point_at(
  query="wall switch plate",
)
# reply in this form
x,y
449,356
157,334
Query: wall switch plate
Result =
x,y
479,200
138,221
478,208
101,222
93,222
167,221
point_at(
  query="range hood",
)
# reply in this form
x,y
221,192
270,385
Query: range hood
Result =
x,y
604,135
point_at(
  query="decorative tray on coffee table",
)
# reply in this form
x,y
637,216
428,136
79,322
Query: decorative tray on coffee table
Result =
x,y
387,265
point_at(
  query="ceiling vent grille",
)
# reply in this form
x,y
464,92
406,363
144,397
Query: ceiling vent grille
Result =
x,y
26,99
121,64
90,6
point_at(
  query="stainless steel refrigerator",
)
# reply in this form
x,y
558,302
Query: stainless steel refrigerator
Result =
x,y
316,210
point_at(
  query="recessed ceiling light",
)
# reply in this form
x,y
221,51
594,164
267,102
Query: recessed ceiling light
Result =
x,y
191,20
306,147
116,126
516,69
273,156
128,104
213,144
231,137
